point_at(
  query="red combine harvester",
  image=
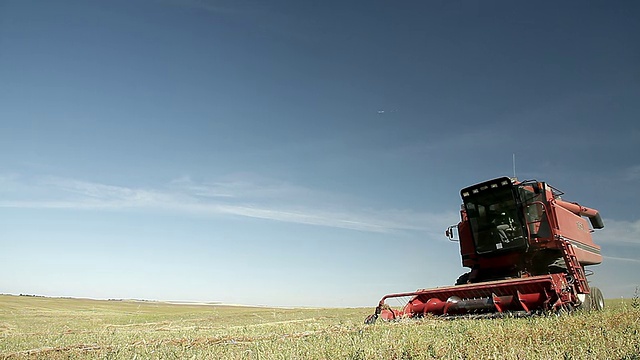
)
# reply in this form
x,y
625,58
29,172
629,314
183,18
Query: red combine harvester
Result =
x,y
526,248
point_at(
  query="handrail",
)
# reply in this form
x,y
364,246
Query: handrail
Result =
x,y
539,220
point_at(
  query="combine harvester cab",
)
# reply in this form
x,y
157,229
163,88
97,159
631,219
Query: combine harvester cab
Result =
x,y
526,248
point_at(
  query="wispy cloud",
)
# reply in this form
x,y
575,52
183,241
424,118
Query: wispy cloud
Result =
x,y
241,187
212,6
617,258
619,232
266,200
246,197
632,173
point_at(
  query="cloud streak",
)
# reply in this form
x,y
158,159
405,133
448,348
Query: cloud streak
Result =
x,y
631,173
617,258
214,7
262,199
619,232
269,201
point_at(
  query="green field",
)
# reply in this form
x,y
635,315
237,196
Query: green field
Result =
x,y
33,327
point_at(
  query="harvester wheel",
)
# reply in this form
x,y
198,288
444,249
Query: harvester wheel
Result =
x,y
463,279
371,319
564,309
587,303
597,299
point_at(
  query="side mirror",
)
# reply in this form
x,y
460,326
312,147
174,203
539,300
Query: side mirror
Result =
x,y
452,234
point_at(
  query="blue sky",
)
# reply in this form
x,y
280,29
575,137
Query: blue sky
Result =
x,y
300,153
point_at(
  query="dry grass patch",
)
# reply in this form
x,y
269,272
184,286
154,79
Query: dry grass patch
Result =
x,y
70,328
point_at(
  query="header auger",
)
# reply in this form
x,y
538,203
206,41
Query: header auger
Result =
x,y
526,249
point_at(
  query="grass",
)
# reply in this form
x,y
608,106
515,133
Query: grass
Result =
x,y
32,327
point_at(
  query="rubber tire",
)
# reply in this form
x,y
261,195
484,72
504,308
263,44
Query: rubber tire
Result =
x,y
463,279
597,299
587,304
371,319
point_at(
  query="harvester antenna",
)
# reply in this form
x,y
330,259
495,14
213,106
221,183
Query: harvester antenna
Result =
x,y
514,165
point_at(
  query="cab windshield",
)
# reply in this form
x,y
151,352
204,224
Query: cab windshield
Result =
x,y
494,220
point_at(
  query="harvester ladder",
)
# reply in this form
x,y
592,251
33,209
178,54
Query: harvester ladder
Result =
x,y
574,267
